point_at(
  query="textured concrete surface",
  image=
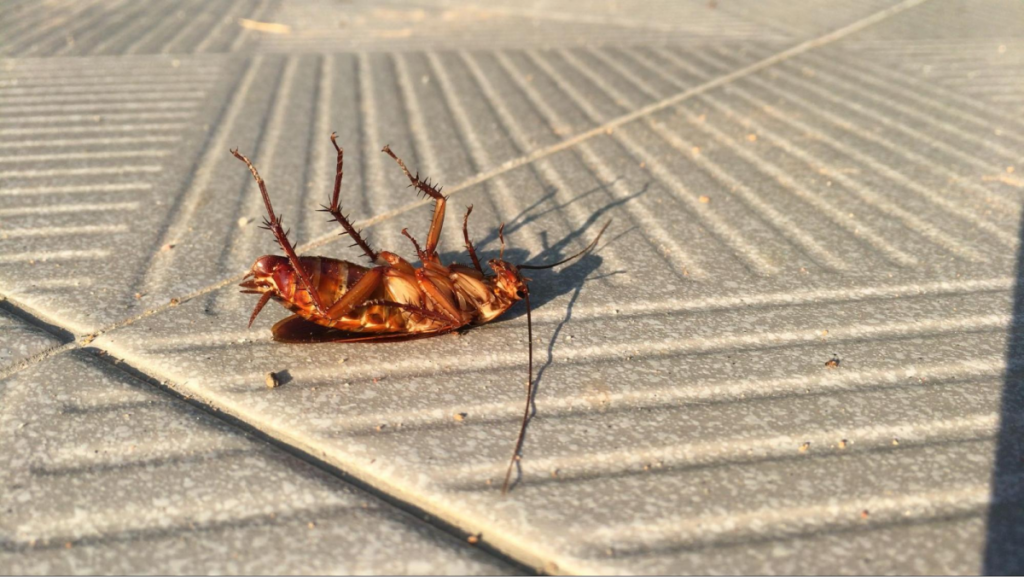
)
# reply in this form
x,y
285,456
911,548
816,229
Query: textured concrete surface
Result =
x,y
103,474
796,350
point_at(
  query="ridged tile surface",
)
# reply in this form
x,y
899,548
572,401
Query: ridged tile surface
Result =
x,y
796,349
20,341
104,475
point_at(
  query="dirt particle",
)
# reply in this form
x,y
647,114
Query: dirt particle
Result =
x,y
805,447
175,302
833,363
271,380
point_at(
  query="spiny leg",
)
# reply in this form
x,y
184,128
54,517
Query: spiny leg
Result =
x,y
440,201
335,208
435,296
434,315
469,243
419,251
357,294
273,224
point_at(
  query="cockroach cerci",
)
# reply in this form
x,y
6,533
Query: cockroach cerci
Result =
x,y
339,301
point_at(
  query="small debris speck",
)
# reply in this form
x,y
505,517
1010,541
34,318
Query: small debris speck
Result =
x,y
864,514
843,443
380,427
473,539
895,442
459,416
271,380
175,302
832,363
166,247
805,447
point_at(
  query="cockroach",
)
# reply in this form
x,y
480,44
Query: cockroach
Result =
x,y
340,301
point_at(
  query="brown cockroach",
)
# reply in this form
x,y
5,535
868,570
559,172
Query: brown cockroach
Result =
x,y
339,301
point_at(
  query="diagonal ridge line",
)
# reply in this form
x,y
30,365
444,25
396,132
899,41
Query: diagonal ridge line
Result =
x,y
641,112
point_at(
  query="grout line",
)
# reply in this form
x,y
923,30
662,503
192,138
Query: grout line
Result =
x,y
417,514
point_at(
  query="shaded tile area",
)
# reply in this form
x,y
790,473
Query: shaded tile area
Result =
x,y
20,341
104,475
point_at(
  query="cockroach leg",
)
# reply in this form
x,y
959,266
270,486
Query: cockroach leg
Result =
x,y
419,252
335,208
273,223
415,310
357,294
259,306
434,295
469,243
440,201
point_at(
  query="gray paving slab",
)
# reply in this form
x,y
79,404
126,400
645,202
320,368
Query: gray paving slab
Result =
x,y
139,166
790,183
103,474
19,341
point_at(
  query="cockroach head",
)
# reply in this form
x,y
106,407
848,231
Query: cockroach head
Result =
x,y
508,280
261,276
266,277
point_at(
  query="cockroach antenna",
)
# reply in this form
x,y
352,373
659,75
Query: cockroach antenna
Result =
x,y
590,247
529,336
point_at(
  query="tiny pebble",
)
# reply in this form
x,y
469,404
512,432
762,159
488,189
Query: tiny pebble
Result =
x,y
271,380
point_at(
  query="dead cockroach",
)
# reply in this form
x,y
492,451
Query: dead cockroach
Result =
x,y
336,300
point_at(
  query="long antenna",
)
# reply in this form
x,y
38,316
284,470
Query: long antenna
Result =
x,y
529,398
565,260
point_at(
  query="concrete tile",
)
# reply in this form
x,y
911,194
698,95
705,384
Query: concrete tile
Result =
x,y
105,475
93,183
854,202
20,341
111,27
323,26
664,432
